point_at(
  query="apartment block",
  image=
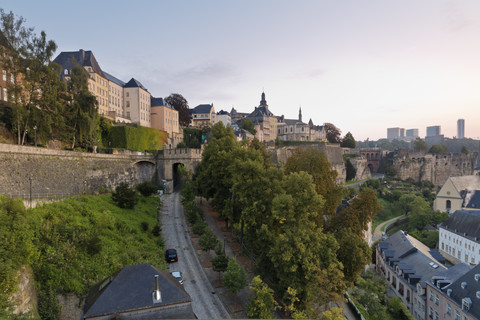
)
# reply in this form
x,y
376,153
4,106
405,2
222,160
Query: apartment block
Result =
x,y
137,102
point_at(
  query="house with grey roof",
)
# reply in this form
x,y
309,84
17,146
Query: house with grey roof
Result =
x,y
137,102
459,237
458,193
138,292
203,115
407,264
442,302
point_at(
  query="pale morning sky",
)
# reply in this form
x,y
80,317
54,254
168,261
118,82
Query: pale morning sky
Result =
x,y
362,65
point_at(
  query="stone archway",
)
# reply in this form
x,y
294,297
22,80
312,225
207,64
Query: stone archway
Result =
x,y
178,170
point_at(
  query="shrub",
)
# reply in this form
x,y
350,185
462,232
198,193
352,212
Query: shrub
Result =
x,y
147,188
199,227
156,231
124,196
144,226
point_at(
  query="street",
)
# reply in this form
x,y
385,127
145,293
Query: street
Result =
x,y
205,302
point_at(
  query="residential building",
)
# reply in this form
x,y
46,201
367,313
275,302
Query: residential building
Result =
x,y
264,121
97,83
224,117
116,105
5,77
459,237
395,133
165,117
459,193
460,129
203,115
411,133
137,103
455,295
297,130
138,292
407,264
237,116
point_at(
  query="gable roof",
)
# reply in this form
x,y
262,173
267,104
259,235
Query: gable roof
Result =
x,y
464,222
471,199
134,83
202,108
469,291
84,58
113,79
131,289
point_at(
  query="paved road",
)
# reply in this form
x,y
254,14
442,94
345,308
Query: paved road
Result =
x,y
378,230
205,303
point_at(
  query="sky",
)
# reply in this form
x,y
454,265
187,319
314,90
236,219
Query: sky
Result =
x,y
364,66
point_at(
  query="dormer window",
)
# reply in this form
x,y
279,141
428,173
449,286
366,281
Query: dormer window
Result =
x,y
466,303
65,71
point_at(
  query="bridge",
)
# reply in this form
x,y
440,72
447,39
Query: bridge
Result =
x,y
373,156
169,161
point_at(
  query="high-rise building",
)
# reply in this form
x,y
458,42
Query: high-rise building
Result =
x,y
460,128
433,131
411,133
395,133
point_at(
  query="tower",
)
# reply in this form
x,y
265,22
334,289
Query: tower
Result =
x,y
300,114
263,102
460,128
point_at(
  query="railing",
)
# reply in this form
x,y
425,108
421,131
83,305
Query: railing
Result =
x,y
28,196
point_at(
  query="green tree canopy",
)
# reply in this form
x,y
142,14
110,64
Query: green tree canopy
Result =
x,y
348,141
419,145
262,305
333,133
247,124
235,279
438,149
179,103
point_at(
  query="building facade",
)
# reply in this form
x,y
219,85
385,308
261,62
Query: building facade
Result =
x,y
224,117
203,115
459,237
395,133
165,118
137,103
265,121
458,193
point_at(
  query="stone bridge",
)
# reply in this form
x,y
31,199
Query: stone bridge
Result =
x,y
373,156
169,160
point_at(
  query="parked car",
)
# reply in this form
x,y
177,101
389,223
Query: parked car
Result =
x,y
171,255
178,276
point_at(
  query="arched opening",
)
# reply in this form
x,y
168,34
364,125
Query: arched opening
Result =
x,y
370,166
448,205
178,173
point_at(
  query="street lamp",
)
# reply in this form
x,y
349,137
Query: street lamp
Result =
x,y
35,134
30,180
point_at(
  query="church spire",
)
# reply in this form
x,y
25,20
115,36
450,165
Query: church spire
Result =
x,y
263,102
300,114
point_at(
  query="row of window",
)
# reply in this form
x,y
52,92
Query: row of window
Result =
x,y
4,76
448,309
4,96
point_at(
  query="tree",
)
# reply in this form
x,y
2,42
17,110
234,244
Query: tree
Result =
x,y
334,313
235,279
316,164
354,253
208,240
438,149
348,141
262,304
147,188
220,263
82,113
419,145
124,196
179,103
247,124
351,170
333,133
464,150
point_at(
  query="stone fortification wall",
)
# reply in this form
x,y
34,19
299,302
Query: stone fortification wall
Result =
x,y
333,152
361,165
434,168
58,172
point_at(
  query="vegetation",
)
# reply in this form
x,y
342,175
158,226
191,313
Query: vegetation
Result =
x,y
73,244
348,141
247,124
420,145
137,138
192,138
235,279
333,133
179,103
262,305
124,196
287,218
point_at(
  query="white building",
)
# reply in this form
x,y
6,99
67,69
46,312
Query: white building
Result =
x,y
459,237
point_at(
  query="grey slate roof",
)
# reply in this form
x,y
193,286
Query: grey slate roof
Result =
x,y
155,102
134,83
471,199
131,289
466,182
464,222
412,256
84,58
202,108
470,291
113,79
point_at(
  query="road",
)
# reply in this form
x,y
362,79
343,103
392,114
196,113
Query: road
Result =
x,y
205,303
375,176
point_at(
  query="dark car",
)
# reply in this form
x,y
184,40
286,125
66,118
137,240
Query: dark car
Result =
x,y
171,255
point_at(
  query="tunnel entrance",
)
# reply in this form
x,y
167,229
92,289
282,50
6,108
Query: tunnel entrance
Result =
x,y
178,174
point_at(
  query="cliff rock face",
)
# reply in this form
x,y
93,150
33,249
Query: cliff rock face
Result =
x,y
332,151
434,168
25,299
361,165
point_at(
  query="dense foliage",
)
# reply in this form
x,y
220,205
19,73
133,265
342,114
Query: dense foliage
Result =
x,y
75,243
124,196
179,103
283,216
137,138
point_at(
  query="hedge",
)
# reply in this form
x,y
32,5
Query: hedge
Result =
x,y
137,138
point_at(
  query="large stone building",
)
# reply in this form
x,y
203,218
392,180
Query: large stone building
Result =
x,y
297,130
203,115
165,118
407,264
459,237
265,121
455,295
5,77
116,106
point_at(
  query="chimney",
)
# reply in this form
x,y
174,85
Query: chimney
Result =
x,y
157,295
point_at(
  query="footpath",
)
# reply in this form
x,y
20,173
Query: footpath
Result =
x,y
236,304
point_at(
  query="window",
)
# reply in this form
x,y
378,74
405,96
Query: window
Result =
x,y
5,95
4,75
448,205
436,316
431,295
65,71
128,94
457,315
449,309
437,300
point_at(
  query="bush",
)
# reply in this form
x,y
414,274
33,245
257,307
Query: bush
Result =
x,y
156,231
199,227
147,188
144,226
124,196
